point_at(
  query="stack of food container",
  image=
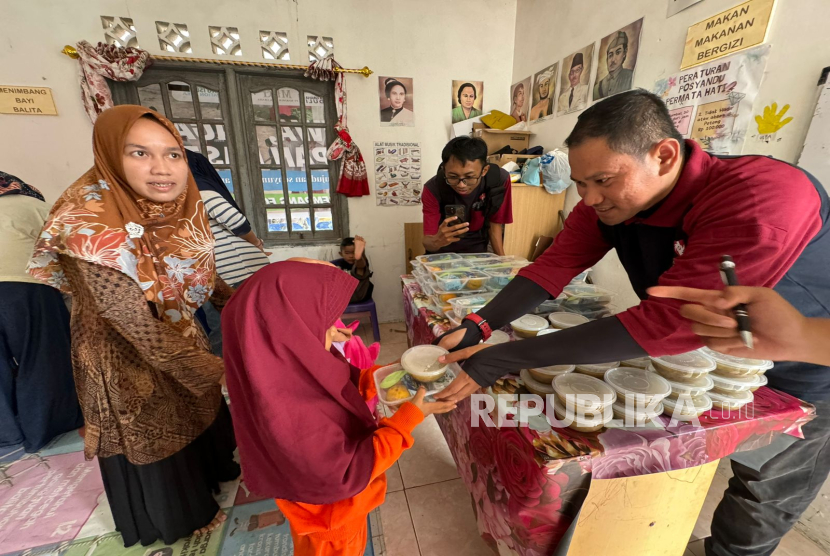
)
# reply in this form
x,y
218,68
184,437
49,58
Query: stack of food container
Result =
x,y
583,401
597,370
528,326
639,394
735,379
688,377
588,300
562,320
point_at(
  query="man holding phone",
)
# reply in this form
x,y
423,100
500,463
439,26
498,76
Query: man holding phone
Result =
x,y
468,202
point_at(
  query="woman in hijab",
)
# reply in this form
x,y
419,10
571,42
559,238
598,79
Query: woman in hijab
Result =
x,y
130,241
306,435
239,252
37,392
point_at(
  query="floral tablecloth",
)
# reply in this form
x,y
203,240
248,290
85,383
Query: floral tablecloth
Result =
x,y
527,483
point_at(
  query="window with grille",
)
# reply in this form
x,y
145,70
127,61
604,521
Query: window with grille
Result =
x,y
266,135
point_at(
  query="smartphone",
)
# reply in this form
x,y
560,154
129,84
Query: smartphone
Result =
x,y
459,211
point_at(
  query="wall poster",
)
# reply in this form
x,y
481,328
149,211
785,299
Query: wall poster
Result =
x,y
397,174
712,103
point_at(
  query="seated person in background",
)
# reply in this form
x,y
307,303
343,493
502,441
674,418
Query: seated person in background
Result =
x,y
354,261
306,435
466,183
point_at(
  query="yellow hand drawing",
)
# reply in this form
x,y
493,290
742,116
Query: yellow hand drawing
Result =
x,y
771,121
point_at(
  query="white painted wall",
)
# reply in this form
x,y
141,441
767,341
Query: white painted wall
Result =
x,y
432,41
549,30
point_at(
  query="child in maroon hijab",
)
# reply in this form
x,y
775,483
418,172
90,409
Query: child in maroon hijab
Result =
x,y
306,436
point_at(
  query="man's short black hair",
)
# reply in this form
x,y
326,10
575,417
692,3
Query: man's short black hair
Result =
x,y
464,86
346,242
631,122
465,149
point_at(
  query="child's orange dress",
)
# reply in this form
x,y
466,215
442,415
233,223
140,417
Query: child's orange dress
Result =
x,y
340,529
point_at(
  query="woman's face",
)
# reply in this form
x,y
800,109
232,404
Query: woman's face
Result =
x,y
468,97
154,165
397,96
520,97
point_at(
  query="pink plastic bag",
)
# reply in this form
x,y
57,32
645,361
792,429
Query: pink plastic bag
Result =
x,y
356,353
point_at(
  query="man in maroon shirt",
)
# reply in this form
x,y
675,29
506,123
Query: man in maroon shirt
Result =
x,y
671,211
465,179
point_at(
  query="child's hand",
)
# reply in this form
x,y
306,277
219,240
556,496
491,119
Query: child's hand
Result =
x,y
342,335
428,408
359,247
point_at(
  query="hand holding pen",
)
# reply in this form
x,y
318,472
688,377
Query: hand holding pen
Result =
x,y
730,278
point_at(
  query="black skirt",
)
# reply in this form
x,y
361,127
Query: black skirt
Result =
x,y
169,499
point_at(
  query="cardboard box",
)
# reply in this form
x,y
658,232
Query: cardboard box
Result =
x,y
497,139
502,159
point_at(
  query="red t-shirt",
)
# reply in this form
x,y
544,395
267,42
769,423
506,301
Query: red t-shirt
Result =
x,y
760,211
433,217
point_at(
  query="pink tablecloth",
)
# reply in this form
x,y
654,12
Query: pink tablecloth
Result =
x,y
528,483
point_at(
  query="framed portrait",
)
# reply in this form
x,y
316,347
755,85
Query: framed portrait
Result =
x,y
467,100
617,61
576,75
544,93
520,99
396,96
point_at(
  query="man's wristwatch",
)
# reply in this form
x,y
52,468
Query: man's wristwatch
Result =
x,y
482,325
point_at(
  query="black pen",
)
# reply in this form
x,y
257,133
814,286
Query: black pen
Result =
x,y
727,274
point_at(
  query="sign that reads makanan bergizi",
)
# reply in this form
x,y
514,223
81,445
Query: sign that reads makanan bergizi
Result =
x,y
736,29
19,99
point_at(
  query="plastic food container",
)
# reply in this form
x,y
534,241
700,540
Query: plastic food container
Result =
x,y
581,422
692,388
547,374
451,317
415,361
534,386
683,367
730,386
500,277
463,306
410,385
528,326
456,280
762,381
687,408
438,257
481,258
439,266
731,401
639,363
566,320
583,393
416,265
736,367
497,337
598,370
549,306
444,296
637,386
631,415
586,294
547,331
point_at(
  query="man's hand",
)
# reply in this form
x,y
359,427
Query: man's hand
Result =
x,y
359,247
430,408
463,386
777,327
449,233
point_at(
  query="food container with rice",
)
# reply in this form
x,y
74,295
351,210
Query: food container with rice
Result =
x,y
547,374
637,386
396,386
597,370
736,367
686,366
563,320
528,326
686,408
456,280
732,401
582,422
583,393
463,306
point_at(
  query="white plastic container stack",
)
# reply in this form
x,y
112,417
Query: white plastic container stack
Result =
x,y
688,378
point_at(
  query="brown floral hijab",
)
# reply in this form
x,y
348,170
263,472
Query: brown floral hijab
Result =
x,y
167,248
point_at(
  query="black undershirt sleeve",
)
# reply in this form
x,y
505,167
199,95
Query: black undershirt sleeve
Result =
x,y
600,341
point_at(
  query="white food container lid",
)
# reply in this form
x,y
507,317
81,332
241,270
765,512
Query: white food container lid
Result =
x,y
637,414
573,387
702,404
531,323
700,383
691,362
567,320
637,381
597,368
730,382
739,362
554,370
744,397
418,358
587,420
524,374
498,337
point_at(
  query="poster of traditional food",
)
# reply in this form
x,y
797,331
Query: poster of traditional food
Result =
x,y
398,179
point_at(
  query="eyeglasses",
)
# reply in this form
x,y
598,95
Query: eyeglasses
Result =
x,y
466,181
